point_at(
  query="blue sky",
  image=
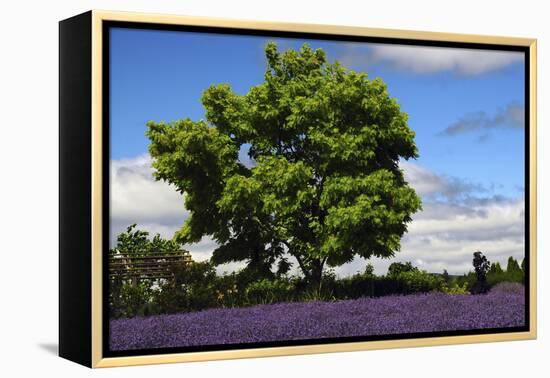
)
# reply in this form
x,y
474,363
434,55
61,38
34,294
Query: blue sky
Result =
x,y
160,75
466,107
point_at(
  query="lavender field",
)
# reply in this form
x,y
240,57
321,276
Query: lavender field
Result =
x,y
306,320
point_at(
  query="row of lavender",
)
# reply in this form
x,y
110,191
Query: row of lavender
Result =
x,y
503,306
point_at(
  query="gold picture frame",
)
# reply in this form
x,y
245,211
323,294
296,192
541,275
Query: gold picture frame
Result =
x,y
90,268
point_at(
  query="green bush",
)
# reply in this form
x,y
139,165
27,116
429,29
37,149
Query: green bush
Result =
x,y
467,279
513,273
356,286
406,281
418,281
228,290
131,299
455,288
495,275
397,268
196,286
191,289
269,291
506,276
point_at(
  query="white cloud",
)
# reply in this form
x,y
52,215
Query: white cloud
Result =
x,y
430,185
425,60
452,225
137,197
155,206
448,242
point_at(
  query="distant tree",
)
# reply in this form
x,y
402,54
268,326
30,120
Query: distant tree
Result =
x,y
513,267
137,242
523,265
369,269
325,185
495,268
445,275
132,296
397,267
514,272
481,267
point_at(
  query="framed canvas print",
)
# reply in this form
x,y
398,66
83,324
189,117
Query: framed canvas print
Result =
x,y
235,189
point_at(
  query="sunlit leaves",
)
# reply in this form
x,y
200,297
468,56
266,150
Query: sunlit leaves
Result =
x,y
325,186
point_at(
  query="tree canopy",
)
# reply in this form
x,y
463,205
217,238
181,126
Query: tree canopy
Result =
x,y
137,242
481,266
397,268
325,183
513,266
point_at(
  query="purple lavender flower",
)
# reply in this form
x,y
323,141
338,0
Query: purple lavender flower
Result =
x,y
313,320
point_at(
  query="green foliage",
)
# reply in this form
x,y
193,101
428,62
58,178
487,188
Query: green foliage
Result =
x,y
418,281
325,186
131,297
495,275
131,300
455,288
229,291
495,269
409,280
269,291
513,273
355,286
397,268
369,270
137,242
191,289
196,286
468,280
513,266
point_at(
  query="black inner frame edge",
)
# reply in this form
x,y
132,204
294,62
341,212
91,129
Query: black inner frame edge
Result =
x,y
107,25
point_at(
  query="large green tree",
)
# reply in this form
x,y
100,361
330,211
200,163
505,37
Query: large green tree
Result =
x,y
325,183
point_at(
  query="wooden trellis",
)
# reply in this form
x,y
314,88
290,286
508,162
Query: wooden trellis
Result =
x,y
152,266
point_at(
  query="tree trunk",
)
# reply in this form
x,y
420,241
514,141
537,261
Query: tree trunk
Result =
x,y
313,272
317,275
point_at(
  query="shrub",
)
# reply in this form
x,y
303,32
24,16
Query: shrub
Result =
x,y
418,281
512,266
134,300
228,290
368,285
269,291
496,278
397,267
131,297
191,289
513,273
495,268
455,288
356,286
